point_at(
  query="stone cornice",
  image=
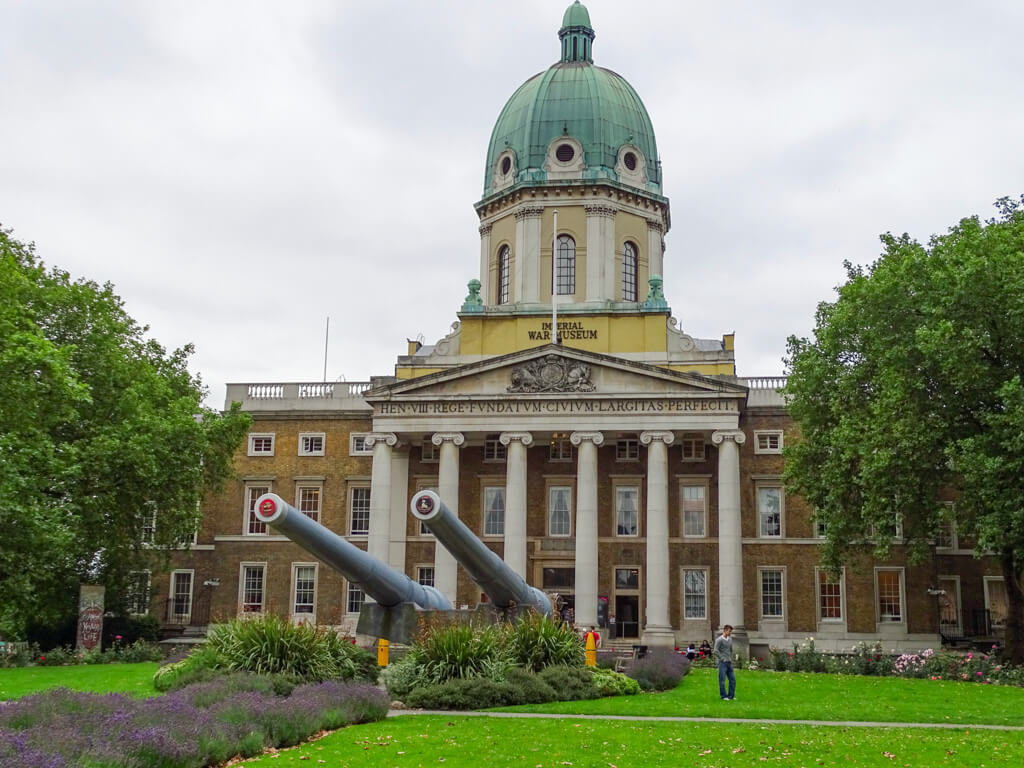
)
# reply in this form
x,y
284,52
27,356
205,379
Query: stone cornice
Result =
x,y
657,226
597,209
529,212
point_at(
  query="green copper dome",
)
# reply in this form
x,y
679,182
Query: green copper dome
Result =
x,y
594,108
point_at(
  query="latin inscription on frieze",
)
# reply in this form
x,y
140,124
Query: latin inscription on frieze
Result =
x,y
526,407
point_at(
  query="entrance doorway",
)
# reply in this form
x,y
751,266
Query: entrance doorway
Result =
x,y
627,616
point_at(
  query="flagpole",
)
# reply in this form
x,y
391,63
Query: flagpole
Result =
x,y
554,280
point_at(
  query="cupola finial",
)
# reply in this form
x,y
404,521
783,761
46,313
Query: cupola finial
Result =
x,y
576,34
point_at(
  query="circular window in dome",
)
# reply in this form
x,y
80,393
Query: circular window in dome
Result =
x,y
506,165
565,153
629,160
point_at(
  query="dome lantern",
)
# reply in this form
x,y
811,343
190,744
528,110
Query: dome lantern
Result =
x,y
576,34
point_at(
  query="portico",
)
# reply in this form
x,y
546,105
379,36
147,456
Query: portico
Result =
x,y
525,402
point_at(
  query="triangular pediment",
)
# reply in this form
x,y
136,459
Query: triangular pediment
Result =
x,y
556,370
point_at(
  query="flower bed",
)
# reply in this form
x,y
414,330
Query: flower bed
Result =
x,y
197,726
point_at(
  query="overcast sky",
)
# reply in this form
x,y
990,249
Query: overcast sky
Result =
x,y
242,170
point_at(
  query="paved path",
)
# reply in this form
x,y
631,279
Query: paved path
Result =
x,y
750,720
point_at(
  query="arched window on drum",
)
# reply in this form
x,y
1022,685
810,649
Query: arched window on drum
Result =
x,y
504,259
629,272
565,266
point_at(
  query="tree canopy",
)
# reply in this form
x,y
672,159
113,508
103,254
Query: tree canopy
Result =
x,y
910,395
101,430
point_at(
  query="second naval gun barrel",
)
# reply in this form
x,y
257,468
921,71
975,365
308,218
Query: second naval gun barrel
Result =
x,y
378,580
500,583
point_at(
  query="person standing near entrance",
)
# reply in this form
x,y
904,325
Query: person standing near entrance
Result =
x,y
723,653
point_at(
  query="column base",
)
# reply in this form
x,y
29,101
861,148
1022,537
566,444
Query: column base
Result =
x,y
658,637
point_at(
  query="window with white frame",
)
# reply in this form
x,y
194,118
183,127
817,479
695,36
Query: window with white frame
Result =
x,y
304,597
565,266
425,575
693,447
493,449
261,443
137,593
695,593
559,510
560,449
253,525
626,519
355,598
767,441
996,602
820,527
695,509
359,510
627,449
830,595
494,511
148,532
429,453
893,530
889,591
771,593
357,444
769,511
181,594
311,443
945,536
307,499
252,589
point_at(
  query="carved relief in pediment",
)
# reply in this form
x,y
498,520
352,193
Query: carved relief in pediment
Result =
x,y
551,373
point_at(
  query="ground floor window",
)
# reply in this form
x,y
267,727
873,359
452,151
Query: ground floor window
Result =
x,y
889,591
137,593
354,603
253,587
830,596
305,590
995,600
425,575
181,594
771,593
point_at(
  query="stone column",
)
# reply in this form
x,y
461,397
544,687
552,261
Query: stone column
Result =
x,y
586,526
446,572
515,499
655,248
658,628
380,493
399,509
730,545
526,267
600,252
485,263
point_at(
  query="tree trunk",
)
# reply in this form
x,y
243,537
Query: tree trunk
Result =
x,y
1014,609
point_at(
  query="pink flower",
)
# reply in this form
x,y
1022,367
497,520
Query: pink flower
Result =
x,y
117,637
979,673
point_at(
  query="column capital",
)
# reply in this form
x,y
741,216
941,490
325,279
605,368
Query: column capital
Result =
x,y
665,437
529,211
456,438
523,437
485,229
599,209
736,435
597,438
656,226
384,438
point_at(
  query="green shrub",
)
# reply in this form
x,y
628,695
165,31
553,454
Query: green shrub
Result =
x,y
607,659
611,683
58,657
402,676
204,663
20,655
464,693
570,683
532,690
270,644
140,650
536,641
449,651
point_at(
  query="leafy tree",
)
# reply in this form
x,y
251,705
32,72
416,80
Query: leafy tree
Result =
x,y
100,428
910,393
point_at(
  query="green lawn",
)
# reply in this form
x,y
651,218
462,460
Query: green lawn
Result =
x,y
136,679
806,696
463,741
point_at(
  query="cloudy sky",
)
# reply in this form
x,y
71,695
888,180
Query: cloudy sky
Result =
x,y
242,170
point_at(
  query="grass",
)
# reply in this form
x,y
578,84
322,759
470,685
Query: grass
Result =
x,y
807,696
464,741
134,679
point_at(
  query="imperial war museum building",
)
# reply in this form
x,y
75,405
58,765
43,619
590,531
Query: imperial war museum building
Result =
x,y
612,458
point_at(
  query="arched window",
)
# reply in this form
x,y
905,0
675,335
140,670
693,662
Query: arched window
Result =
x,y
565,266
503,274
629,272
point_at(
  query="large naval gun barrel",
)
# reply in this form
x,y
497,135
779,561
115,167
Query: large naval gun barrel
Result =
x,y
388,587
505,588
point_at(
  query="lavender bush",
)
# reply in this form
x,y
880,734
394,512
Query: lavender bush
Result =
x,y
197,726
660,670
